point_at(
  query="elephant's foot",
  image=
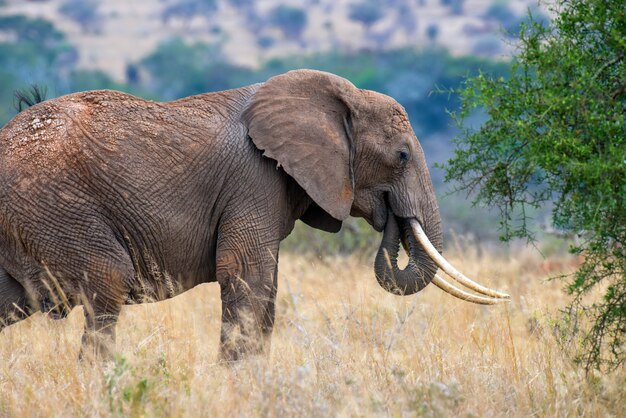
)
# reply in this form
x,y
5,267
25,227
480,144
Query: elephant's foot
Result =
x,y
244,339
98,341
97,345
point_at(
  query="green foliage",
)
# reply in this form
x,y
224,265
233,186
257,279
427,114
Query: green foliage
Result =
x,y
556,134
131,395
290,20
534,16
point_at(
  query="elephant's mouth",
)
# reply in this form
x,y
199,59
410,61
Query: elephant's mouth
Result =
x,y
424,260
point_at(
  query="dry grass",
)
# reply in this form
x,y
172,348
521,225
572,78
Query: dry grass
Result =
x,y
341,347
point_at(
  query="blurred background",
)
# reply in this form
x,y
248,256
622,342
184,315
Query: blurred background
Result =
x,y
417,51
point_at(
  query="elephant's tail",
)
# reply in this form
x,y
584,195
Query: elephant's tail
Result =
x,y
29,97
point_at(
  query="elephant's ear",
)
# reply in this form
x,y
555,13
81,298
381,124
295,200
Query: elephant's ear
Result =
x,y
300,119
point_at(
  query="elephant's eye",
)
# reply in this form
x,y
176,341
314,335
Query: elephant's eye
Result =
x,y
403,156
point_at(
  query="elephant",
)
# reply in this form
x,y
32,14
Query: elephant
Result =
x,y
107,199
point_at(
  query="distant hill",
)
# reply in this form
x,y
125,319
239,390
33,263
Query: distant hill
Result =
x,y
113,33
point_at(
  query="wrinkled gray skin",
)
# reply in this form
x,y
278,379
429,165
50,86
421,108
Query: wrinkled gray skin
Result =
x,y
108,199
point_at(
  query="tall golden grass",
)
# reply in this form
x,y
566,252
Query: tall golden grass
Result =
x,y
341,347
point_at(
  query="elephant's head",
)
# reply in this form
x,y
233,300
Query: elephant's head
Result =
x,y
354,153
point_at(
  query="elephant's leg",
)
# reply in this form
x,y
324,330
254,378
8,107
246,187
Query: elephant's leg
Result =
x,y
247,276
267,324
103,295
99,334
95,273
13,300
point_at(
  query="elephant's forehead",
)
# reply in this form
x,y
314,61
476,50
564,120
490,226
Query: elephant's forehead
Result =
x,y
393,115
399,121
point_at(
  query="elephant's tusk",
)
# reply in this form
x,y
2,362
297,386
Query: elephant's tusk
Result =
x,y
420,235
461,294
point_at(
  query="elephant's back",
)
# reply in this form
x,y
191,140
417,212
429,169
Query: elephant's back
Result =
x,y
111,135
37,138
59,135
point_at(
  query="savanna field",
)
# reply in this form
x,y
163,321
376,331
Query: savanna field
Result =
x,y
341,346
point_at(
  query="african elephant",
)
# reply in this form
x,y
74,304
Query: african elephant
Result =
x,y
108,199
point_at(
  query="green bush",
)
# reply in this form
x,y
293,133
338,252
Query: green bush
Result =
x,y
556,135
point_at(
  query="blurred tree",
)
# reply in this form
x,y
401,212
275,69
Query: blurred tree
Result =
x,y
556,135
81,80
25,29
241,4
502,13
248,8
177,69
187,9
456,6
512,23
83,12
432,31
534,16
487,45
406,19
290,20
366,12
132,74
215,29
32,51
265,41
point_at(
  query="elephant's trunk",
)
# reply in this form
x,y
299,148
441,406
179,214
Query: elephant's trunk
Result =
x,y
420,269
424,259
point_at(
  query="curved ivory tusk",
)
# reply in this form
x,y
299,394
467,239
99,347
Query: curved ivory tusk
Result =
x,y
461,294
420,235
